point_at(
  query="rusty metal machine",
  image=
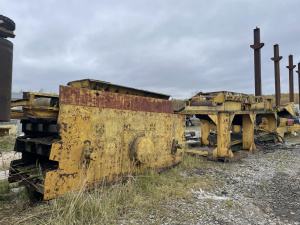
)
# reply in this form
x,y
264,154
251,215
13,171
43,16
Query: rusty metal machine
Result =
x,y
225,111
286,113
94,132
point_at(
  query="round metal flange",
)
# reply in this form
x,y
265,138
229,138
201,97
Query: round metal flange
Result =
x,y
142,150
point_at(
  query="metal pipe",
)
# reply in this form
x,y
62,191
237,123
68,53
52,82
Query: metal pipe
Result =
x,y
291,77
257,61
298,71
276,60
6,59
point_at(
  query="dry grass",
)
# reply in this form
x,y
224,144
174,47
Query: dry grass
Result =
x,y
7,143
132,201
285,98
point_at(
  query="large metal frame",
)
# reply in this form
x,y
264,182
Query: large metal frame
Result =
x,y
217,111
97,136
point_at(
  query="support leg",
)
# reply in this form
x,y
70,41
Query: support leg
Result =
x,y
206,127
204,132
248,132
223,149
272,123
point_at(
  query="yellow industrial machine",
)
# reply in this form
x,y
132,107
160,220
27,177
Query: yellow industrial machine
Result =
x,y
227,113
94,132
286,113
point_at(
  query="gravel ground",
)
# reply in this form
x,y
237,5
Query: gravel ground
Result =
x,y
263,188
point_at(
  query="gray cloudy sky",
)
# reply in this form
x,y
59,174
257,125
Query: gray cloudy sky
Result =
x,y
175,47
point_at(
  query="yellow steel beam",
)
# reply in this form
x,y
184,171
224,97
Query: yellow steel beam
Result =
x,y
248,132
20,102
35,112
196,152
223,149
236,128
271,122
214,118
206,127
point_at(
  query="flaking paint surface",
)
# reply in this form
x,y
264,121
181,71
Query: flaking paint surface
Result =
x,y
108,133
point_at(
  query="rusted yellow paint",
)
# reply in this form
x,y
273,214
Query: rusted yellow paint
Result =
x,y
30,110
290,107
35,112
232,106
30,99
248,132
223,149
106,86
102,144
236,128
283,128
220,98
221,108
271,123
206,128
293,128
214,118
196,152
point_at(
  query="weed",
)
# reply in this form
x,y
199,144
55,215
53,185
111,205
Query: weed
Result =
x,y
247,195
7,143
229,203
280,170
262,186
4,187
209,200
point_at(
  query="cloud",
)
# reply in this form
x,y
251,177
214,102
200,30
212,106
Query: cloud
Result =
x,y
173,47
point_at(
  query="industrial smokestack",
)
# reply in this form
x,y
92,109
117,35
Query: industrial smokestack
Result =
x,y
7,27
276,60
257,62
291,77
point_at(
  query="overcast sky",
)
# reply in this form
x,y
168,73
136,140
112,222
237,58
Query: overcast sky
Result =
x,y
167,46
